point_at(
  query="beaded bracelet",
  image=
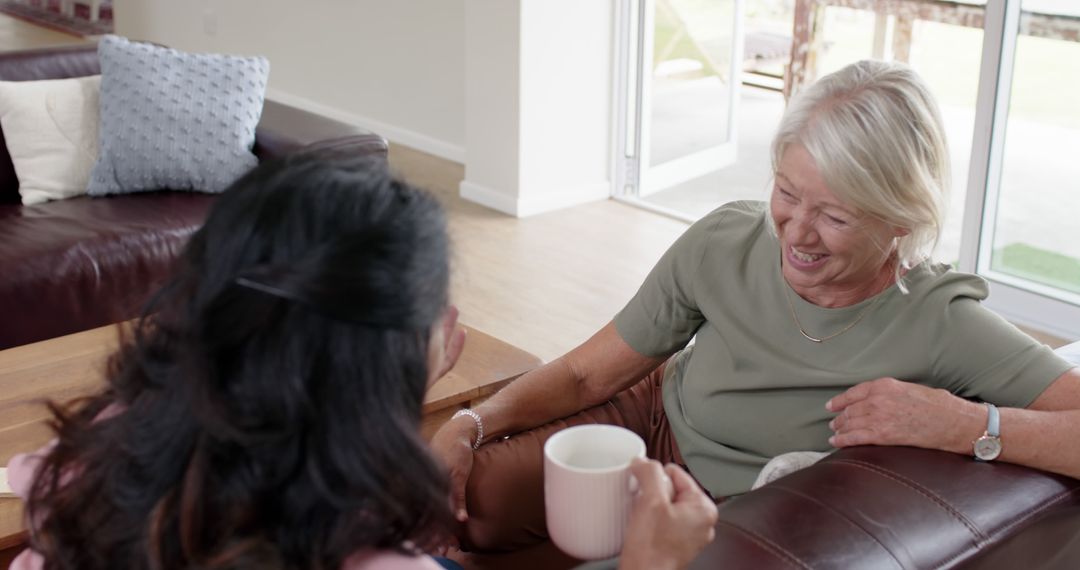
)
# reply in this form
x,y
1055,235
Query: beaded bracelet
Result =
x,y
479,425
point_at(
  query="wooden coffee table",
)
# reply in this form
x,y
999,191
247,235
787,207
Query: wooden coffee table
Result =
x,y
72,366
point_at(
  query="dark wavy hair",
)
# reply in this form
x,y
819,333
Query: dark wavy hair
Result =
x,y
264,411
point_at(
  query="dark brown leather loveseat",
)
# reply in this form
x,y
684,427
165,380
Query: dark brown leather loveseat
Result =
x,y
902,508
80,263
879,508
871,508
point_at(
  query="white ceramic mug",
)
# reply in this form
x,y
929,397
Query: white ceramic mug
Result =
x,y
587,488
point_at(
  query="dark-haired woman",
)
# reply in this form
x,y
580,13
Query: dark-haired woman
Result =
x,y
265,412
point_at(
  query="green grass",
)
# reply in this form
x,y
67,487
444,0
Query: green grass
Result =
x,y
1040,265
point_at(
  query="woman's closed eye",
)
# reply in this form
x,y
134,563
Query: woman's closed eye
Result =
x,y
838,222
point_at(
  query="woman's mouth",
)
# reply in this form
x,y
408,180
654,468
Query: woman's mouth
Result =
x,y
805,260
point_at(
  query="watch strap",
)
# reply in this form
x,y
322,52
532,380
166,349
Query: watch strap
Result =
x,y
993,420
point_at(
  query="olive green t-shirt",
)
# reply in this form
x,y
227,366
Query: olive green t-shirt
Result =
x,y
752,387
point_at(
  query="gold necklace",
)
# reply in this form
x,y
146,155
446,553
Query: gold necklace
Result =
x,y
802,331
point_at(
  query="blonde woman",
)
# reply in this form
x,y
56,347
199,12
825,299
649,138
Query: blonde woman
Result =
x,y
820,322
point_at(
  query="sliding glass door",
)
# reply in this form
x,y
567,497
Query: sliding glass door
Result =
x,y
1022,228
681,93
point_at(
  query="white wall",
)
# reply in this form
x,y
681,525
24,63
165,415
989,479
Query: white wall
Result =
x,y
396,67
538,103
566,99
517,90
492,103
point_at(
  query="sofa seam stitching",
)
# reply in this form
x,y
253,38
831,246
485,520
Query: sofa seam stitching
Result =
x,y
975,531
841,515
768,545
993,538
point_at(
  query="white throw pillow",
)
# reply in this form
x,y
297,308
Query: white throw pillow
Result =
x,y
1070,352
51,131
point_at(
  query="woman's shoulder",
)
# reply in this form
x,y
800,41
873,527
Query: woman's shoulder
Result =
x,y
733,222
739,212
941,283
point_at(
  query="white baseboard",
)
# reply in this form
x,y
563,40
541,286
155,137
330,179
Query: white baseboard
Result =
x,y
397,135
537,204
563,198
487,197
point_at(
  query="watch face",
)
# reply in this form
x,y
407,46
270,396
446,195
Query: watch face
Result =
x,y
987,448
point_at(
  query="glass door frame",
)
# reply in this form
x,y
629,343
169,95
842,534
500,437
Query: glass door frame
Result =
x,y
1020,300
633,178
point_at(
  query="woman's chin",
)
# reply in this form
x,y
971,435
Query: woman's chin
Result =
x,y
799,282
802,274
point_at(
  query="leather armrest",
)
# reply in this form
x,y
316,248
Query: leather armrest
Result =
x,y
886,507
284,129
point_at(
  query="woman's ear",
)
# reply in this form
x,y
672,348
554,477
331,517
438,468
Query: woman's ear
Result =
x,y
436,351
900,232
445,344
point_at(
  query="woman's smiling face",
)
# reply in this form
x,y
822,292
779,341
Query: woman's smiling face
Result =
x,y
832,255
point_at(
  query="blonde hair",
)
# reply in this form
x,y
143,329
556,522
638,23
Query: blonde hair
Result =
x,y
876,136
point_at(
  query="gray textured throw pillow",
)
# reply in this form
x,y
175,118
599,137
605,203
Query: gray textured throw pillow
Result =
x,y
175,120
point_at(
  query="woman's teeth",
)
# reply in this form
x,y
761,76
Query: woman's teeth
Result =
x,y
807,257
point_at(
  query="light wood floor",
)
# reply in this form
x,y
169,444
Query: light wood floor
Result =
x,y
544,283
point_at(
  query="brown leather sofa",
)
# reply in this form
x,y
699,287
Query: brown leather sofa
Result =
x,y
81,263
871,508
878,508
902,508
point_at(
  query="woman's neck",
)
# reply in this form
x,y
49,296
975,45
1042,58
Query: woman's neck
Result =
x,y
845,296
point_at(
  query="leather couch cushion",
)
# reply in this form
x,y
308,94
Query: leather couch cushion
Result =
x,y
81,263
884,507
95,261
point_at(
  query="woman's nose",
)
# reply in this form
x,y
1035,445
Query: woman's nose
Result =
x,y
801,228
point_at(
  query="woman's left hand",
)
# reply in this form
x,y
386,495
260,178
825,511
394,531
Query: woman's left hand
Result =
x,y
888,411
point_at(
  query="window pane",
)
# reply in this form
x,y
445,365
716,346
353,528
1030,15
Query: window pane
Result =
x,y
691,61
1037,230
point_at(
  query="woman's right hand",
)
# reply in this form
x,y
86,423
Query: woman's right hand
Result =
x,y
672,519
452,444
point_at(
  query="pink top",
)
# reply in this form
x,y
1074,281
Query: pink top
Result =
x,y
21,469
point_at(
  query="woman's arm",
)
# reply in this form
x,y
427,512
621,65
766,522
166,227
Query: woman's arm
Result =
x,y
887,411
586,376
1045,435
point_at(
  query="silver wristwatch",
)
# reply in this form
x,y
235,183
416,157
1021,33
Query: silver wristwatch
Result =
x,y
988,446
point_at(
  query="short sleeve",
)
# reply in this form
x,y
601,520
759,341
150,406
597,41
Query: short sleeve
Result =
x,y
664,314
978,354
